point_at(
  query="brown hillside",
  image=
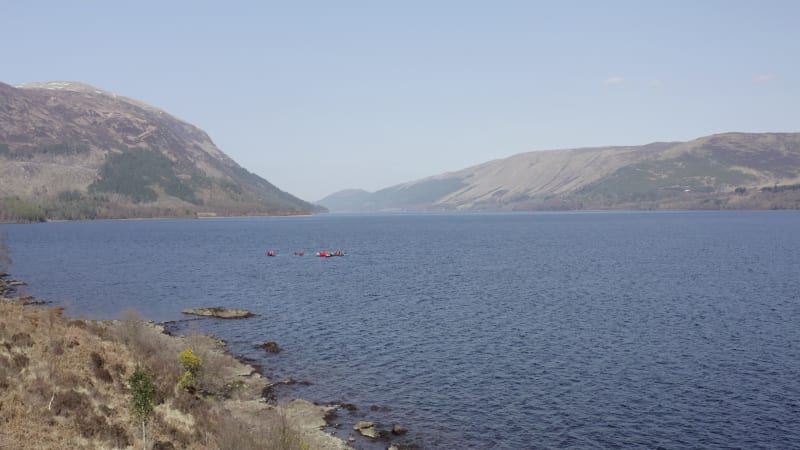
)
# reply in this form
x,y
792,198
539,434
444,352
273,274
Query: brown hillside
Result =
x,y
75,151
732,170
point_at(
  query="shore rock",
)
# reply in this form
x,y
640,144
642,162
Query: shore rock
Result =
x,y
270,346
222,313
367,429
398,430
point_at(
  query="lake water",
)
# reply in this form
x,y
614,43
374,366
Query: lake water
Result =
x,y
551,330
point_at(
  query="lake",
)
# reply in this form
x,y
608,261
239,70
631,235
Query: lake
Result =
x,y
528,330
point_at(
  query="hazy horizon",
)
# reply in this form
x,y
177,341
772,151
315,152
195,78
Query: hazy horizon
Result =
x,y
317,97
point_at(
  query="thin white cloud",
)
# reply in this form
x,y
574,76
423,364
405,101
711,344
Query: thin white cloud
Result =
x,y
654,84
614,80
765,78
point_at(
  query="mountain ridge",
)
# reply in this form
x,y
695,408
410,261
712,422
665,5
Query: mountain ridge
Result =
x,y
69,150
727,170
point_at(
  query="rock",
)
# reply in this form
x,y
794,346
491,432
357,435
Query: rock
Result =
x,y
362,424
29,300
25,300
398,430
367,429
371,433
270,346
16,283
222,313
349,406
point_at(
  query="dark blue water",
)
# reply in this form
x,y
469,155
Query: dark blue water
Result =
x,y
580,330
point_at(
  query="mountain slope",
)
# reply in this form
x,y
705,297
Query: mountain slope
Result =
x,y
69,150
732,170
347,200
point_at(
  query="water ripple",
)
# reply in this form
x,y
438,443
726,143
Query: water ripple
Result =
x,y
648,330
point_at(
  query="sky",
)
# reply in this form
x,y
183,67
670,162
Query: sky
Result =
x,y
322,96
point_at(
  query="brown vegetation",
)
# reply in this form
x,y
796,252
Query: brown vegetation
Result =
x,y
64,385
77,153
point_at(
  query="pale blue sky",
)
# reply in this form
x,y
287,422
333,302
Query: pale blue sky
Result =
x,y
321,96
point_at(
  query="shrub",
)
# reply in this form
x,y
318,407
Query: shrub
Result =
x,y
98,367
14,209
192,365
155,350
69,196
274,430
61,148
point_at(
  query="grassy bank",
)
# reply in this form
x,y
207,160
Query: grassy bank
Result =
x,y
64,383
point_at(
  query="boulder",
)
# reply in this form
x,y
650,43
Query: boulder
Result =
x,y
270,346
367,429
398,430
362,424
222,313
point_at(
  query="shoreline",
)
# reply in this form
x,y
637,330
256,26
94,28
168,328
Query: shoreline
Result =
x,y
375,435
89,362
236,390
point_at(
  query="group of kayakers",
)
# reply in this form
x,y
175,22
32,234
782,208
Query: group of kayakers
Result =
x,y
327,254
321,253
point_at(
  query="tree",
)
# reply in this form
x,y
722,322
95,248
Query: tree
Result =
x,y
143,393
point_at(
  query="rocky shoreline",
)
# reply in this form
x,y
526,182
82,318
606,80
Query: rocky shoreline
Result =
x,y
235,390
370,434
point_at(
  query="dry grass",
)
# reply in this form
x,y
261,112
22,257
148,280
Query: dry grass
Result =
x,y
63,384
51,385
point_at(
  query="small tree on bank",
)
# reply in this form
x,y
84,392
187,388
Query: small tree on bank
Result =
x,y
192,365
143,393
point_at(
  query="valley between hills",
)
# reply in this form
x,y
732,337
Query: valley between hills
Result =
x,y
70,151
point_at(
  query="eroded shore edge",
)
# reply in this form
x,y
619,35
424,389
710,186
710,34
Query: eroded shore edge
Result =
x,y
52,351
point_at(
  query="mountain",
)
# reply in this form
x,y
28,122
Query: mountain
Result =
x,y
72,151
348,200
723,171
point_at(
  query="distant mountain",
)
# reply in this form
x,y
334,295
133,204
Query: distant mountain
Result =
x,y
348,200
724,171
72,151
